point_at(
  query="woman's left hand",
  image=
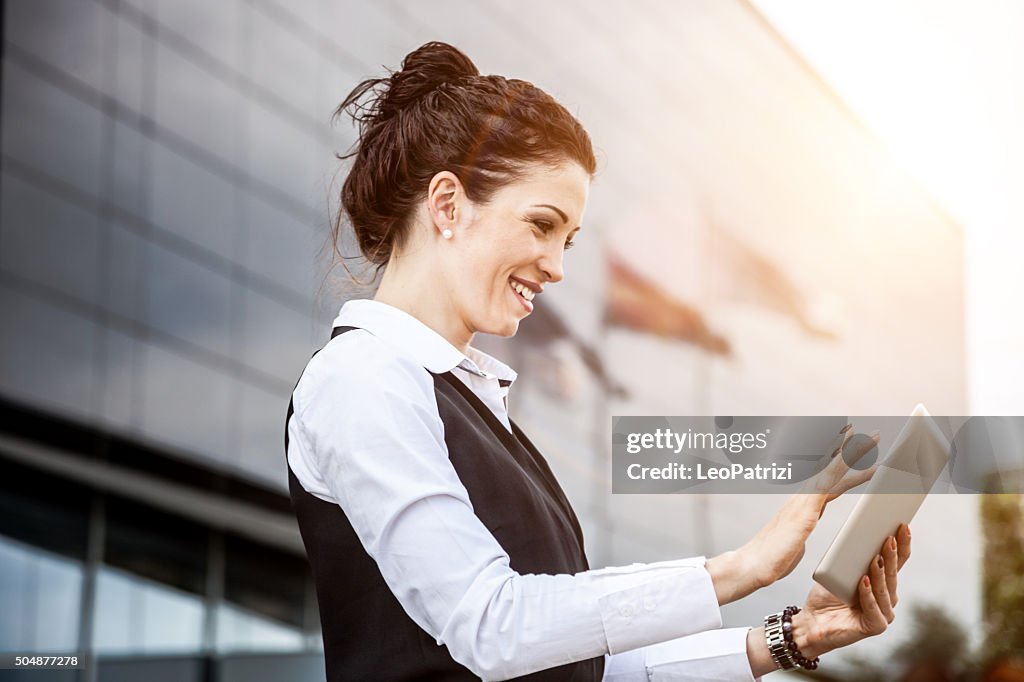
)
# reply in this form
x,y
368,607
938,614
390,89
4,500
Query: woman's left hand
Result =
x,y
779,546
827,622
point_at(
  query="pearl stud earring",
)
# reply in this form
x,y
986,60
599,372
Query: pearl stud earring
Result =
x,y
447,234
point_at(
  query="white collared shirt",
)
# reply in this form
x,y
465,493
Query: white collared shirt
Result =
x,y
366,434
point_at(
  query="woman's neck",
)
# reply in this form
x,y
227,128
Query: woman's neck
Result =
x,y
410,291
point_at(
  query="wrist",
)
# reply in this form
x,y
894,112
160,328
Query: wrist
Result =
x,y
732,576
758,655
759,573
808,635
789,639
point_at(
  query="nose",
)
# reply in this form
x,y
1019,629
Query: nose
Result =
x,y
551,262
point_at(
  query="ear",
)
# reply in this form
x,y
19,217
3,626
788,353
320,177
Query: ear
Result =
x,y
446,199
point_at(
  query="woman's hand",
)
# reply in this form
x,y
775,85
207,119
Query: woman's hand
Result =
x,y
778,547
827,622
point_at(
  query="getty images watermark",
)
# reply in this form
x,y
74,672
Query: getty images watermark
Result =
x,y
918,454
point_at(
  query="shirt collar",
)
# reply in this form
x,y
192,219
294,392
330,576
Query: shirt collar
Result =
x,y
426,346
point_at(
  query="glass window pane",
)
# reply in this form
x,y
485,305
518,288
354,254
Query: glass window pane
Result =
x,y
49,129
150,543
135,615
241,630
265,581
37,364
58,601
282,348
176,669
288,159
40,594
40,230
14,568
294,667
261,446
188,300
41,676
186,404
198,105
43,510
113,620
67,35
171,620
278,245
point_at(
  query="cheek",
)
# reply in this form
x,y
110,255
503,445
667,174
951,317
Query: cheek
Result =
x,y
480,283
484,270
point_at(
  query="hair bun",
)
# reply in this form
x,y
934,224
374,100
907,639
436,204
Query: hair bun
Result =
x,y
423,71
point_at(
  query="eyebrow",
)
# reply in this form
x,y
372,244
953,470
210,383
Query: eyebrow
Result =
x,y
557,210
561,214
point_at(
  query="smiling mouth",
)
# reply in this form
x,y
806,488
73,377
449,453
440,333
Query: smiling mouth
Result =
x,y
521,289
523,293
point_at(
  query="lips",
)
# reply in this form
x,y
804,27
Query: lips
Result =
x,y
521,292
536,288
521,289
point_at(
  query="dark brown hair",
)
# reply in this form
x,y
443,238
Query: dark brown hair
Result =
x,y
438,113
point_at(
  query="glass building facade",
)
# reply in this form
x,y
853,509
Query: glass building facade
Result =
x,y
100,562
163,201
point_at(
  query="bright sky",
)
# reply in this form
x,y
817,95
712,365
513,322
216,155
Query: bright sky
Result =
x,y
941,82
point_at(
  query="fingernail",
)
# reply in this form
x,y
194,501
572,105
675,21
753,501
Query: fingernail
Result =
x,y
892,543
876,436
879,560
838,450
846,428
867,581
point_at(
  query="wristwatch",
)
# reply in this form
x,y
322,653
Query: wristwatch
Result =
x,y
777,644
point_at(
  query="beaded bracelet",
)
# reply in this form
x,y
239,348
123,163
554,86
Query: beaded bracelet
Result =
x,y
778,631
787,632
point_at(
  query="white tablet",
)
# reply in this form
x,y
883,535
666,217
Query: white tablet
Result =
x,y
891,497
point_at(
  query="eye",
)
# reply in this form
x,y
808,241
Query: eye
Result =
x,y
544,225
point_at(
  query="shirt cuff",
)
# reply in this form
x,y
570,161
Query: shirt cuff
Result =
x,y
717,656
664,601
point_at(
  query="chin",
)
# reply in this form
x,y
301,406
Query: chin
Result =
x,y
506,328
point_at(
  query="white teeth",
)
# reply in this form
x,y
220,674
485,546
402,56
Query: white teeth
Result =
x,y
524,291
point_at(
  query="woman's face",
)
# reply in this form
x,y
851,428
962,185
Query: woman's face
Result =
x,y
510,248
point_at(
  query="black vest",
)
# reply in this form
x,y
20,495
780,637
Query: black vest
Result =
x,y
367,634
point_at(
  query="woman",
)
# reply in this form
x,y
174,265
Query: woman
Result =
x,y
441,545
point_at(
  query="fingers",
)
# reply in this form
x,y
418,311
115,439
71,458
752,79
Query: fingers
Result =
x,y
853,448
840,442
890,559
874,619
853,480
825,479
902,545
835,478
878,588
859,446
881,589
836,459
